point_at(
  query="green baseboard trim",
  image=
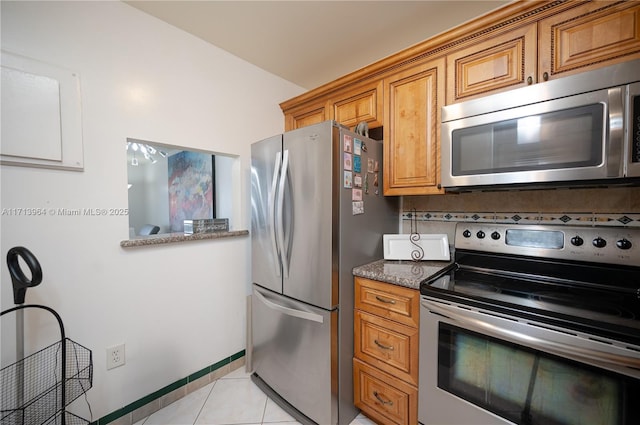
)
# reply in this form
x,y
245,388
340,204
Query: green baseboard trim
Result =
x,y
166,390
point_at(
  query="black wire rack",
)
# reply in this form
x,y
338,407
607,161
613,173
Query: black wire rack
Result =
x,y
37,389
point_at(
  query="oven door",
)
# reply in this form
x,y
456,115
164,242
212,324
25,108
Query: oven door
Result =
x,y
487,369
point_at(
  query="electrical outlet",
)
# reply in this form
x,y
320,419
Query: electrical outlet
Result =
x,y
115,356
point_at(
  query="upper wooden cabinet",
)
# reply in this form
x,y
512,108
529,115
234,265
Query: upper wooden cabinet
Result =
x,y
587,36
361,103
521,43
493,63
592,35
306,115
412,130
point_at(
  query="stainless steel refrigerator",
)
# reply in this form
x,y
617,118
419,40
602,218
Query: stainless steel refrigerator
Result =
x,y
317,212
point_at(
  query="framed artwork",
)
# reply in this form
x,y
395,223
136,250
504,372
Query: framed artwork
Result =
x,y
191,188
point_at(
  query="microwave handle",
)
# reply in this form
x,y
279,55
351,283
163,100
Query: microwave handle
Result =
x,y
615,140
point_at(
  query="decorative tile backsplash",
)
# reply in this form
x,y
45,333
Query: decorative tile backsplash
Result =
x,y
572,219
613,206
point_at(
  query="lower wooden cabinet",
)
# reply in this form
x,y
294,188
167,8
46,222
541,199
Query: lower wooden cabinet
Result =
x,y
386,343
385,399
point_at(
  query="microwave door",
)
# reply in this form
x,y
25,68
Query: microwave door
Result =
x,y
557,140
632,151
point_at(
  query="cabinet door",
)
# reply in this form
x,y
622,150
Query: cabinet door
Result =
x,y
307,115
412,100
362,103
492,63
592,35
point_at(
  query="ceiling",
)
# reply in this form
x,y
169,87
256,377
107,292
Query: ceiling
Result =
x,y
311,43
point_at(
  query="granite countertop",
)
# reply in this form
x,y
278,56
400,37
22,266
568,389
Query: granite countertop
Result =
x,y
166,238
401,272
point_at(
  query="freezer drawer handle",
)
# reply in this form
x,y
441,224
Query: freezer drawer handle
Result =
x,y
384,347
289,311
381,400
385,300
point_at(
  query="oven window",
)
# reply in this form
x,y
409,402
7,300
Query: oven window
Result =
x,y
553,140
531,387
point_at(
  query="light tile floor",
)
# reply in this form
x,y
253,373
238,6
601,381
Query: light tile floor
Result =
x,y
231,400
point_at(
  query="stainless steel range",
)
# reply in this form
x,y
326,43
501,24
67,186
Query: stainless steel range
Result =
x,y
533,325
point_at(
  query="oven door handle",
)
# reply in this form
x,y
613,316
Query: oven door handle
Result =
x,y
624,364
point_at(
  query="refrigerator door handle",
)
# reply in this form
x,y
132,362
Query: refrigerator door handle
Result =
x,y
306,315
284,251
273,219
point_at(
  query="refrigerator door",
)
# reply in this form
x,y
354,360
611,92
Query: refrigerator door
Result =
x,y
308,237
266,265
293,348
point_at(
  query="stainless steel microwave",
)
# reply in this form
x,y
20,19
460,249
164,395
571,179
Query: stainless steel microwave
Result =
x,y
575,130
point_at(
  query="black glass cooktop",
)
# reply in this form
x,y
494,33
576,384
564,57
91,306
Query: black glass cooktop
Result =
x,y
601,300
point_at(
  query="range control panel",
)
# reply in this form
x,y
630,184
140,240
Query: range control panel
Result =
x,y
611,245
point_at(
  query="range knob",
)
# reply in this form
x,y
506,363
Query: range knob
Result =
x,y
577,241
466,234
480,234
495,236
599,242
624,244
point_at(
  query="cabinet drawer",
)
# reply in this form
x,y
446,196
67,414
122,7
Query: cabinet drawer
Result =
x,y
387,345
384,398
393,302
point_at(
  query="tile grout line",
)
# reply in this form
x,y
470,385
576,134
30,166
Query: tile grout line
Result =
x,y
195,421
264,409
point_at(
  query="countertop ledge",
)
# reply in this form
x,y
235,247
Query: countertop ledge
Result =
x,y
167,238
401,272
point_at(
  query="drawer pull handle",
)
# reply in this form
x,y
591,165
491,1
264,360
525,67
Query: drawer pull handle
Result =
x,y
384,300
389,402
384,347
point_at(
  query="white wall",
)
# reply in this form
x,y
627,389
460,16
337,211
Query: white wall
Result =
x,y
148,198
178,308
224,192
